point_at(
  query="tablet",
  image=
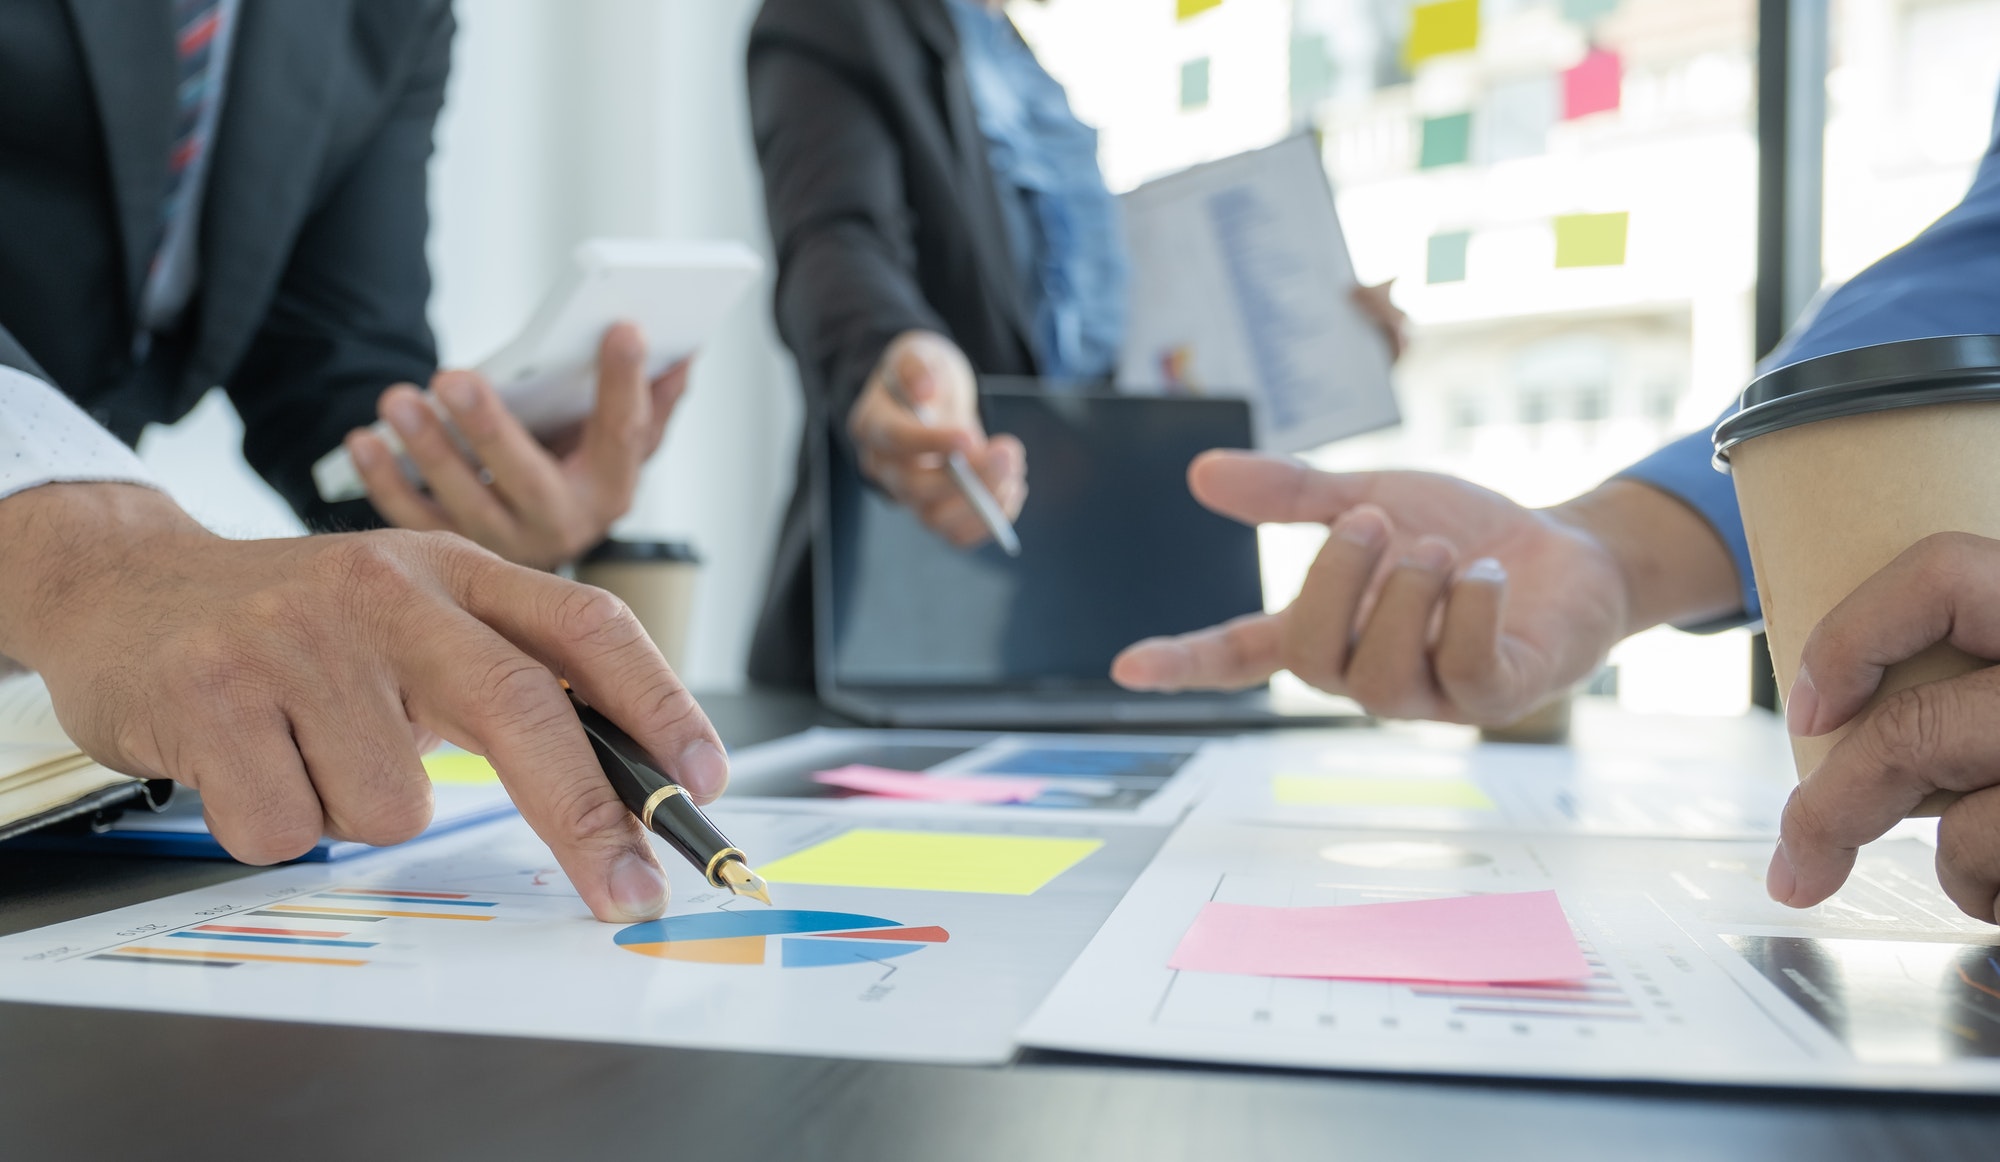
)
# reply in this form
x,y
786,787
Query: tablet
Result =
x,y
677,292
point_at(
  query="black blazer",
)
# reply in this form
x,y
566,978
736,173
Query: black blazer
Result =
x,y
885,218
313,276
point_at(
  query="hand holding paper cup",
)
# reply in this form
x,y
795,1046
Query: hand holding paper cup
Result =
x,y
1844,462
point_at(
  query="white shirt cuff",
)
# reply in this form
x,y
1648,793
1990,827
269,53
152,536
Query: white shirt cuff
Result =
x,y
46,439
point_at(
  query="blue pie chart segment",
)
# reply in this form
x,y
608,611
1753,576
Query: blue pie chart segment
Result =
x,y
805,939
820,953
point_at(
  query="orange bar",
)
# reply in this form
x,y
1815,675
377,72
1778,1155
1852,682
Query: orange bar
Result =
x,y
372,912
190,955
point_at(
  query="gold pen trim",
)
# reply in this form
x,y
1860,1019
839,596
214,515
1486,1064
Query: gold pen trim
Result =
x,y
658,797
716,862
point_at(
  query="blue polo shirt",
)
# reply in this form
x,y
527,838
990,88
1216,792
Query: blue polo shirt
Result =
x,y
1945,282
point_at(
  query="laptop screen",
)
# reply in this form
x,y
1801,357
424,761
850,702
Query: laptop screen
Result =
x,y
1113,549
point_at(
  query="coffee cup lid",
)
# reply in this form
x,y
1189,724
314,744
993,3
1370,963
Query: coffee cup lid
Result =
x,y
1910,373
665,551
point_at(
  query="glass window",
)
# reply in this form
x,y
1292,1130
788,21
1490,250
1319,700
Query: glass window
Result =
x,y
1563,190
1910,105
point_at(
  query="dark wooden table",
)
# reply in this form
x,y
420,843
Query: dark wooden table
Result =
x,y
94,1084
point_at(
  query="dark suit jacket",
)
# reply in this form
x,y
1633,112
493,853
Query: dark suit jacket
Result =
x,y
313,276
885,217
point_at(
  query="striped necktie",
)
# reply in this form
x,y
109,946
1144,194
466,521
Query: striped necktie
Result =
x,y
195,23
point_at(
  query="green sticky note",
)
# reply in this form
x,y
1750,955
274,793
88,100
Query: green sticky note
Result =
x,y
461,768
1364,791
1588,12
1183,9
1444,257
933,861
1445,141
1590,239
1194,84
1436,29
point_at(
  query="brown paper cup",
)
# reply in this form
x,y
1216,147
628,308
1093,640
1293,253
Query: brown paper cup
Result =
x,y
1842,463
657,580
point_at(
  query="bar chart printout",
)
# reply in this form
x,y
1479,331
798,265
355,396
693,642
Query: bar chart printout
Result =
x,y
329,929
1687,978
480,933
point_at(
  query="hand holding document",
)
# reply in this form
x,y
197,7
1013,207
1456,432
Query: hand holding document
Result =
x,y
538,450
1242,285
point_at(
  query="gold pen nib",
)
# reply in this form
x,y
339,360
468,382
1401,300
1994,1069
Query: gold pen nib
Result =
x,y
743,881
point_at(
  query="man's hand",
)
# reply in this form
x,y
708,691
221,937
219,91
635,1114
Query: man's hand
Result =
x,y
294,682
906,456
1937,736
1435,598
1388,318
539,506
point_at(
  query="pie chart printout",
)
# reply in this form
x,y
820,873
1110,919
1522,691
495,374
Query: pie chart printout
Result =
x,y
803,939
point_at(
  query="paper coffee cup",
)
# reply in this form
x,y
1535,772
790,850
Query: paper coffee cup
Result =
x,y
1843,462
657,580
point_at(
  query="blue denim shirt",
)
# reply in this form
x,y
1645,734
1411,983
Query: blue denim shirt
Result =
x,y
1946,281
1067,237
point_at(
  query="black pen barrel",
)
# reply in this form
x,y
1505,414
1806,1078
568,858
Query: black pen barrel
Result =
x,y
660,803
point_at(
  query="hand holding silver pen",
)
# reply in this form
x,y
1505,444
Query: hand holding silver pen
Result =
x,y
916,429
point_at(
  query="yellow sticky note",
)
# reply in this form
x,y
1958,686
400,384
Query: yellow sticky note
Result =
x,y
1363,791
1591,239
460,768
933,861
1437,29
1186,8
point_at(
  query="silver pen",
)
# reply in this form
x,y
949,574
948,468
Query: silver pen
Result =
x,y
976,493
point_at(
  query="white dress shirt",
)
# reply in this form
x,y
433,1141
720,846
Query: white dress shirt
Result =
x,y
46,439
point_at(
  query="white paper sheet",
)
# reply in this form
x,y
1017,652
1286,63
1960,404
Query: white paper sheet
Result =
x,y
538,965
1241,283
1697,977
1623,774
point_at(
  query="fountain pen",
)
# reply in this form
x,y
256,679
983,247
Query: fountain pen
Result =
x,y
665,808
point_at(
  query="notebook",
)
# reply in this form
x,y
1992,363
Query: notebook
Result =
x,y
45,778
464,791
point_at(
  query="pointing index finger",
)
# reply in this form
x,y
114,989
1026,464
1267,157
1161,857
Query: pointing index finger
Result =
x,y
1263,489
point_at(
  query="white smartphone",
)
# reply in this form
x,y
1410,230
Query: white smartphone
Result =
x,y
677,292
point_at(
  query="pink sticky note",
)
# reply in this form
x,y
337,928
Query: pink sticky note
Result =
x,y
1493,939
988,789
1592,86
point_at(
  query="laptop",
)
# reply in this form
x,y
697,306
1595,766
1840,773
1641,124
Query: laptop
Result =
x,y
912,632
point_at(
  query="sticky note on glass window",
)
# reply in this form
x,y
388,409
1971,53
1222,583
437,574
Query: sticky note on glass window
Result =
x,y
1590,240
1588,12
1504,938
1183,9
1194,84
1593,85
1437,29
1364,791
933,861
457,767
1444,257
1445,141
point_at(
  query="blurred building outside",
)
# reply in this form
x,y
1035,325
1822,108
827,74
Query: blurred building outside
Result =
x,y
1565,193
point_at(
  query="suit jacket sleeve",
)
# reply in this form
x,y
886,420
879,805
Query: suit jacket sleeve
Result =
x,y
840,221
348,317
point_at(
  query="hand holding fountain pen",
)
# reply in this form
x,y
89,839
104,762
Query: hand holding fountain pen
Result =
x,y
665,808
